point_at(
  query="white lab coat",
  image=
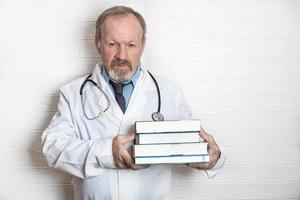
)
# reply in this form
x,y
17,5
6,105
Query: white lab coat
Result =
x,y
83,147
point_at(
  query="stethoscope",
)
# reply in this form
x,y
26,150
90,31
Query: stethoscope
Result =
x,y
156,116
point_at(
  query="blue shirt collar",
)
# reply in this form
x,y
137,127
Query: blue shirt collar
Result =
x,y
133,79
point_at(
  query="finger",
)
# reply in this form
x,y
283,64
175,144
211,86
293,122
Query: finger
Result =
x,y
207,137
214,151
116,156
212,164
128,160
138,167
200,166
215,156
126,138
204,165
120,163
204,135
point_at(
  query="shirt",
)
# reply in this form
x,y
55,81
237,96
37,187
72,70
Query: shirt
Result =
x,y
128,85
83,147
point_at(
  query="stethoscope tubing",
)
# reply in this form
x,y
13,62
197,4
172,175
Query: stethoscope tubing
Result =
x,y
156,116
158,92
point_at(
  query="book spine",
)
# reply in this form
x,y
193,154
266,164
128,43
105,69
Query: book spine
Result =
x,y
168,138
172,159
167,126
170,149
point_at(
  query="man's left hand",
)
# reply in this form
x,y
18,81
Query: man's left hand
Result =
x,y
213,151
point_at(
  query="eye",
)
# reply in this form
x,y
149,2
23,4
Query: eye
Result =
x,y
111,44
131,45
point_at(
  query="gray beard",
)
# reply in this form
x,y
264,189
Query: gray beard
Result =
x,y
120,77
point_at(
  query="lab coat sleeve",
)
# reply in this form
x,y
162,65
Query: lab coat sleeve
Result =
x,y
216,169
185,112
65,151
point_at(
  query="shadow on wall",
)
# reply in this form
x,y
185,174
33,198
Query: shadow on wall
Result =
x,y
61,181
50,175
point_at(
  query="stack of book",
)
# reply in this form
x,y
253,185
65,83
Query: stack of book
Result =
x,y
159,142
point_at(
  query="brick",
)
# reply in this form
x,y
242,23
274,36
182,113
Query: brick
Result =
x,y
254,121
238,174
34,175
244,190
47,192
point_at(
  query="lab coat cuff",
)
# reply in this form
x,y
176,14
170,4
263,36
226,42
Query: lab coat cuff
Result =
x,y
99,158
101,154
104,152
216,169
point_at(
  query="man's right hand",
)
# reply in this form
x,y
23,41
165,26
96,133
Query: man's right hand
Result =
x,y
122,158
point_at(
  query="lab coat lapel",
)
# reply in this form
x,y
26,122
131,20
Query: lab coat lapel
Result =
x,y
141,104
114,108
138,106
143,92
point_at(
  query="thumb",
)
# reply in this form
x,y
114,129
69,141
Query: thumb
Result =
x,y
204,135
127,138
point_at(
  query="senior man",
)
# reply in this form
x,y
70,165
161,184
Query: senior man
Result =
x,y
89,135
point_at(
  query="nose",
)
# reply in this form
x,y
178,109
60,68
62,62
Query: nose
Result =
x,y
121,52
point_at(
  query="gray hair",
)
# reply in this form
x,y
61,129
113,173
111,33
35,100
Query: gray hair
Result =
x,y
119,11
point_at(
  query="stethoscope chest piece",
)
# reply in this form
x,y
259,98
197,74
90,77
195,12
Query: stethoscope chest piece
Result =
x,y
157,116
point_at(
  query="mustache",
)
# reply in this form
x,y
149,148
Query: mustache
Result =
x,y
120,62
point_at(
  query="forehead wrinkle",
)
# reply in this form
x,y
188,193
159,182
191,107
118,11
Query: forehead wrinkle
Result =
x,y
125,27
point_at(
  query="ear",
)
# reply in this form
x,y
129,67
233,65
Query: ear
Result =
x,y
97,44
144,44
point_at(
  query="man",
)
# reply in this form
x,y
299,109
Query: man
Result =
x,y
94,149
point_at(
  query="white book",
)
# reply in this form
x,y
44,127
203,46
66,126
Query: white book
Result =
x,y
165,138
167,126
172,159
181,149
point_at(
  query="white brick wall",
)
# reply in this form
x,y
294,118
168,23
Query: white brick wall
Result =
x,y
237,61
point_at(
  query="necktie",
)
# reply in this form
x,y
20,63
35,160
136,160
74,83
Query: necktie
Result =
x,y
118,88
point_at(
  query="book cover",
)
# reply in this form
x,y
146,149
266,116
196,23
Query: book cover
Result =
x,y
165,138
170,149
167,126
172,159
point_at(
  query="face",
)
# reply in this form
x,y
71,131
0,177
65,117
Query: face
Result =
x,y
121,46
